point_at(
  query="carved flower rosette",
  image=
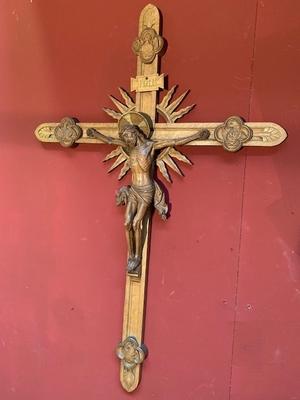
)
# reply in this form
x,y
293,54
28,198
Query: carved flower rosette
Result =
x,y
131,354
233,134
148,45
67,132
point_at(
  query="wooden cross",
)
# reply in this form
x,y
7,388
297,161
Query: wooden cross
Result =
x,y
233,134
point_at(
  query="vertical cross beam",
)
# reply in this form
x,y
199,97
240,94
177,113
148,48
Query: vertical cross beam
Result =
x,y
133,316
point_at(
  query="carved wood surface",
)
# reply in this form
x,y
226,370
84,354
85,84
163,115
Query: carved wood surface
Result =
x,y
264,133
133,316
259,134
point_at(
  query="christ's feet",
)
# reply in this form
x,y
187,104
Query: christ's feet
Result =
x,y
133,264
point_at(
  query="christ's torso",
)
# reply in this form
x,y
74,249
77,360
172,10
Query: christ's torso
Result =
x,y
140,159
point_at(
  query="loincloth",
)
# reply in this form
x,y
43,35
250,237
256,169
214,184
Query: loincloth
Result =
x,y
142,193
147,194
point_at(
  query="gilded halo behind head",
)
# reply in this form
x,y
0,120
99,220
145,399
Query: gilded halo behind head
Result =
x,y
134,118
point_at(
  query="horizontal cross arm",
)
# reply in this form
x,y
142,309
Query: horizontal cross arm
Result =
x,y
262,133
45,132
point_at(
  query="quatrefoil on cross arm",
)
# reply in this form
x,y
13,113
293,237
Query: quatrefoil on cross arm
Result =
x,y
233,134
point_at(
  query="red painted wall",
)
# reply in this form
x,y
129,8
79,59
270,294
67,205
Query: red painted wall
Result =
x,y
224,281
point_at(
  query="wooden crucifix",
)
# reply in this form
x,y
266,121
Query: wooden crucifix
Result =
x,y
143,144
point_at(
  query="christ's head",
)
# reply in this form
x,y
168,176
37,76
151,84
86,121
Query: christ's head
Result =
x,y
131,134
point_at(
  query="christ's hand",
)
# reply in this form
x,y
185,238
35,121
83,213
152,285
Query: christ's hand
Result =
x,y
91,132
203,134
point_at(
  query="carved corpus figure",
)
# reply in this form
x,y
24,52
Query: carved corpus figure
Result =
x,y
144,189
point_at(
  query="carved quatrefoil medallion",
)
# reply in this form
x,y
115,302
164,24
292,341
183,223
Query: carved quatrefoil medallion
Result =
x,y
67,132
148,45
131,354
233,134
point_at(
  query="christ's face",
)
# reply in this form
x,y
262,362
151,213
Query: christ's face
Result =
x,y
130,137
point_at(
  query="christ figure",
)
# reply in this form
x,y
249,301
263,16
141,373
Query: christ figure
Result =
x,y
144,190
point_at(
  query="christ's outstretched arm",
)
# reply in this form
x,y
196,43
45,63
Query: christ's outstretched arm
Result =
x,y
201,135
93,133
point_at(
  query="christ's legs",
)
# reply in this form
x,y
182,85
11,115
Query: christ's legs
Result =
x,y
137,228
129,216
